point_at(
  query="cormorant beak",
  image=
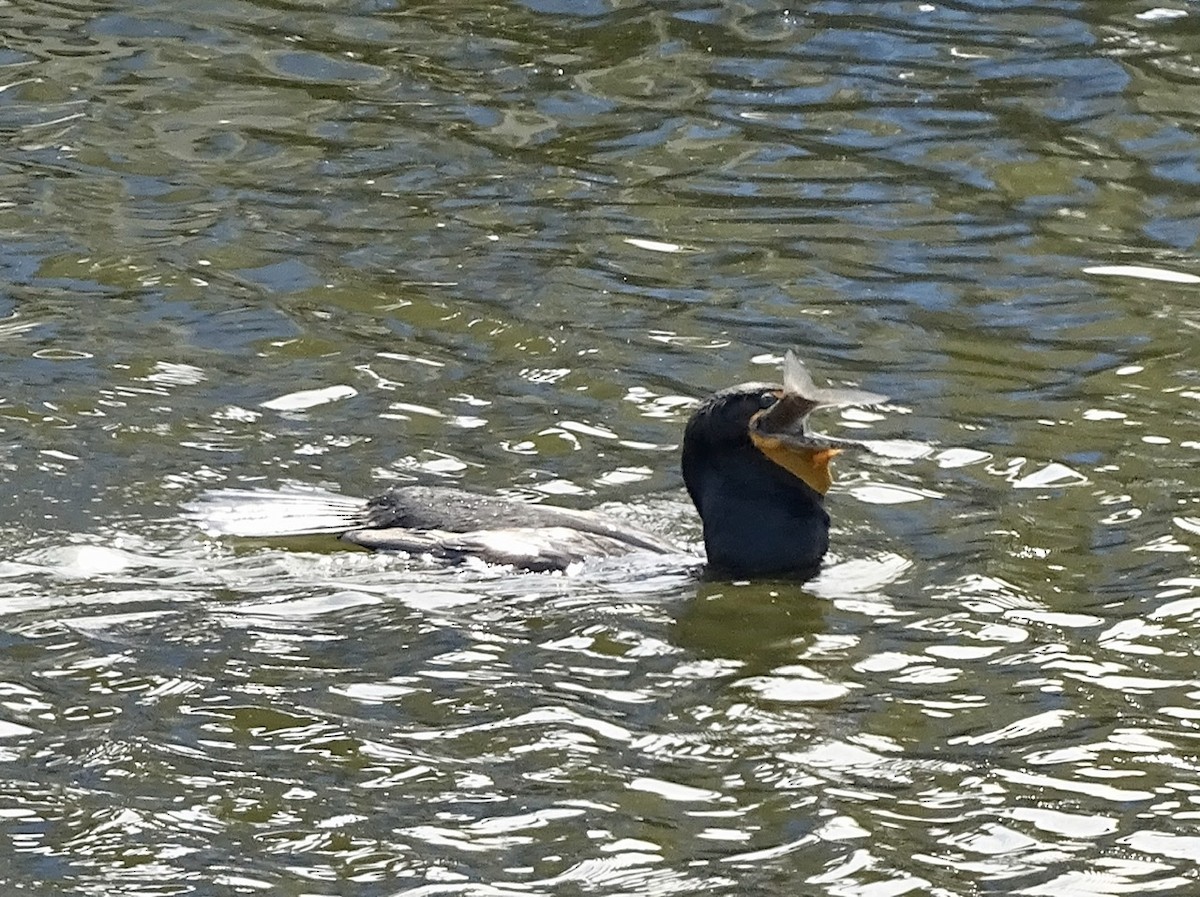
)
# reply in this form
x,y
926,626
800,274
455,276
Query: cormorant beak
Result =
x,y
781,433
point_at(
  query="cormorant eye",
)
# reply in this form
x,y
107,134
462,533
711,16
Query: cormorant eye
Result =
x,y
767,399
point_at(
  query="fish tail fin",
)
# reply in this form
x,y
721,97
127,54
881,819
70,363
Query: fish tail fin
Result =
x,y
266,512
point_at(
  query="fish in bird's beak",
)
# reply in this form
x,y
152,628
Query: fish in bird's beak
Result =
x,y
781,431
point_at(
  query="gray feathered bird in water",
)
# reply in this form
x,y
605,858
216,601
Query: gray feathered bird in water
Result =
x,y
754,470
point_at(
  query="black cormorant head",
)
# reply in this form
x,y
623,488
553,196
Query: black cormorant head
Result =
x,y
758,475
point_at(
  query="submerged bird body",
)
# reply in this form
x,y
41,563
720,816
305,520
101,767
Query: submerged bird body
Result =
x,y
754,471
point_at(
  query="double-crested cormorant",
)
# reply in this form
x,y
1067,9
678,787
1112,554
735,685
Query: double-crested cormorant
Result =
x,y
755,472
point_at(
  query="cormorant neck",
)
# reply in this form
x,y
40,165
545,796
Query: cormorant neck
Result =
x,y
758,518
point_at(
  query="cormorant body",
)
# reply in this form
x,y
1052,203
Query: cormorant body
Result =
x,y
754,471
759,518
